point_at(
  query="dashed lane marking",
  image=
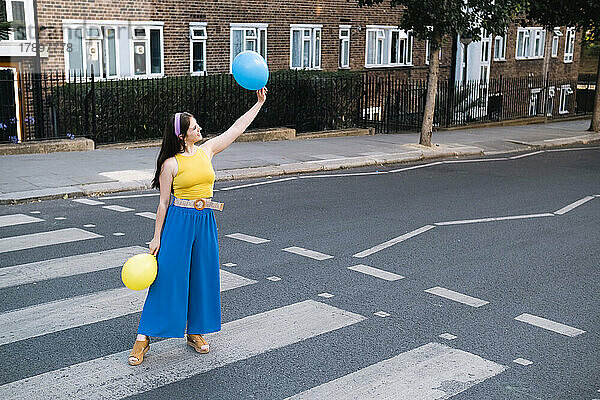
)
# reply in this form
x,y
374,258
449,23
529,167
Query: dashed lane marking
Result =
x,y
315,255
393,241
456,296
549,325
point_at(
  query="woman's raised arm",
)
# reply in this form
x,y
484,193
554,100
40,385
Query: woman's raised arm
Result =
x,y
221,142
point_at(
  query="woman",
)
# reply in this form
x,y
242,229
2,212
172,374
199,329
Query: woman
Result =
x,y
187,286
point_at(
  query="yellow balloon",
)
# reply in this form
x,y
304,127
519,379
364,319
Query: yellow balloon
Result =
x,y
139,271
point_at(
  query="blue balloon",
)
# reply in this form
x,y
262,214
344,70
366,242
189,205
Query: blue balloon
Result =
x,y
250,70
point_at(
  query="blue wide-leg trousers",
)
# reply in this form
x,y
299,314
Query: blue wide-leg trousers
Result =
x,y
187,286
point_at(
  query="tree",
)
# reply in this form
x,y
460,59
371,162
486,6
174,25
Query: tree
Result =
x,y
582,14
435,20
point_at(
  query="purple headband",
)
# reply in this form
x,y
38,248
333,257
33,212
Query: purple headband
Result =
x,y
177,124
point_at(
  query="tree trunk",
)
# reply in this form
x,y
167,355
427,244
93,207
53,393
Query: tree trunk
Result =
x,y
432,82
595,125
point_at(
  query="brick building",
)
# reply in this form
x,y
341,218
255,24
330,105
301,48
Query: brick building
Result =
x,y
154,38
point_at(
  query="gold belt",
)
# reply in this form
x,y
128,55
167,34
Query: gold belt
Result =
x,y
198,204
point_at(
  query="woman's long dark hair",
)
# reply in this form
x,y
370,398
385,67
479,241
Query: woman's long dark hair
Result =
x,y
171,144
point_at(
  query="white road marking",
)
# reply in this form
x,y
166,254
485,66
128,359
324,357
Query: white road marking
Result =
x,y
274,278
416,166
571,206
376,272
230,265
35,212
315,255
33,240
60,218
448,336
247,238
455,296
382,314
493,219
430,372
88,202
392,242
258,183
89,226
17,219
129,196
549,325
110,377
66,266
522,361
325,295
526,155
59,315
147,214
118,208
118,234
476,160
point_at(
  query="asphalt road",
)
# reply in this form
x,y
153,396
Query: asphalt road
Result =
x,y
544,263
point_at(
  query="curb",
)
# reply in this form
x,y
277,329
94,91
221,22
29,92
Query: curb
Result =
x,y
414,153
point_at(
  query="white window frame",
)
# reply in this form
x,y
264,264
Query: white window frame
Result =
x,y
197,39
563,103
116,25
257,27
531,36
344,40
383,42
312,39
428,51
500,48
29,20
569,45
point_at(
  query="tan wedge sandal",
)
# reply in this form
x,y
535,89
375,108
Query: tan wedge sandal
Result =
x,y
140,348
198,343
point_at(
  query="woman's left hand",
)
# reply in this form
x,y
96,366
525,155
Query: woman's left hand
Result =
x,y
262,95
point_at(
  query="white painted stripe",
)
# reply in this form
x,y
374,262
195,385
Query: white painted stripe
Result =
x,y
381,314
493,219
17,219
88,202
66,266
416,166
110,377
392,242
30,241
147,214
342,175
118,208
455,296
258,183
274,278
59,315
315,255
325,295
247,238
376,272
523,361
476,160
571,206
129,196
430,372
526,155
549,325
448,336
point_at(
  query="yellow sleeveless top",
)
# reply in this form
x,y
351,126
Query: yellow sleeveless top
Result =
x,y
195,176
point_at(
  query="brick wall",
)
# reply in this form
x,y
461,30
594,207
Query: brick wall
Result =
x,y
218,14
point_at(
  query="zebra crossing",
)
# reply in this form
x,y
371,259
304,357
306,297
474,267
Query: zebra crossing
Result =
x,y
423,372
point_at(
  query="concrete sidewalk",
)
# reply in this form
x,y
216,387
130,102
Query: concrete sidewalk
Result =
x,y
30,177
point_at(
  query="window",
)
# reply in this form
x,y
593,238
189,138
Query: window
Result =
x,y
198,48
428,52
344,50
388,46
500,48
569,45
18,10
248,37
305,46
563,102
530,43
114,49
